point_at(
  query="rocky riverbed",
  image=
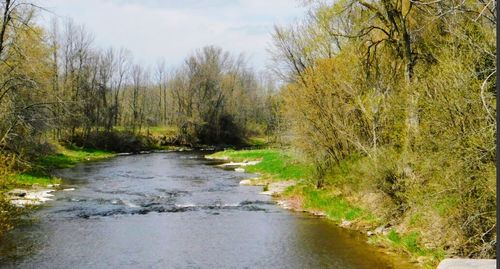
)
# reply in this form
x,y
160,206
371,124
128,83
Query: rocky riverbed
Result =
x,y
34,196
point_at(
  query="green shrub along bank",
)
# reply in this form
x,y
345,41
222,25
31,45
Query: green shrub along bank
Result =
x,y
399,111
119,141
355,193
149,138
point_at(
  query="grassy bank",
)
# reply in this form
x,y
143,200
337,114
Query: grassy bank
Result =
x,y
39,172
338,202
275,165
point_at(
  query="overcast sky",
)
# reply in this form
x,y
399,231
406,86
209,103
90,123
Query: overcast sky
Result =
x,y
172,29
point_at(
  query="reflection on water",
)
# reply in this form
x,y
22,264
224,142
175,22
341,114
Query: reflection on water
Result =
x,y
175,210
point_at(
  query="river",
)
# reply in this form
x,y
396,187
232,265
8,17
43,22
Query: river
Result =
x,y
177,210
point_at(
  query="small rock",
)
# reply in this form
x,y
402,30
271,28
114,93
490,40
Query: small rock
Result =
x,y
239,164
345,223
25,202
240,170
283,204
216,158
370,233
251,163
246,182
379,229
41,195
69,189
319,213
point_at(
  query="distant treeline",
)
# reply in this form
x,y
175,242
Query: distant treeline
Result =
x,y
57,84
408,88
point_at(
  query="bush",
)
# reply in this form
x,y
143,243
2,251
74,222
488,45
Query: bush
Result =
x,y
116,141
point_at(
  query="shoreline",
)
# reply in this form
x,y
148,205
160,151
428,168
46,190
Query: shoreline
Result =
x,y
276,188
35,188
279,190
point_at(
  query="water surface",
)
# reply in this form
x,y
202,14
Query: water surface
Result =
x,y
177,210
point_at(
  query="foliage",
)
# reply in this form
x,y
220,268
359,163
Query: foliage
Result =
x,y
116,141
395,99
215,98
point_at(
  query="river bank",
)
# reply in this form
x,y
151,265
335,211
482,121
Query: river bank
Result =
x,y
21,189
39,173
277,168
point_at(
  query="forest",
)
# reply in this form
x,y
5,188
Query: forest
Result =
x,y
392,102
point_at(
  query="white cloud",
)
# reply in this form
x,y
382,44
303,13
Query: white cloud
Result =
x,y
172,29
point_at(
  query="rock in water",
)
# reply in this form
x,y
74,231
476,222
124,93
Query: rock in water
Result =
x,y
246,182
467,264
31,197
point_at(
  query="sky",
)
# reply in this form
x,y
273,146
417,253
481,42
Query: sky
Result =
x,y
173,29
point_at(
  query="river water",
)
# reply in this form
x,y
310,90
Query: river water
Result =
x,y
177,210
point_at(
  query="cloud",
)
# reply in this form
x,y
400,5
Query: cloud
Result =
x,y
172,29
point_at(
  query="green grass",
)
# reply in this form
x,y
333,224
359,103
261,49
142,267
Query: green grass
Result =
x,y
282,166
409,242
31,178
66,157
335,207
275,164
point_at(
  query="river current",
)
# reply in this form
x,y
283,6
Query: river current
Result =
x,y
177,210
